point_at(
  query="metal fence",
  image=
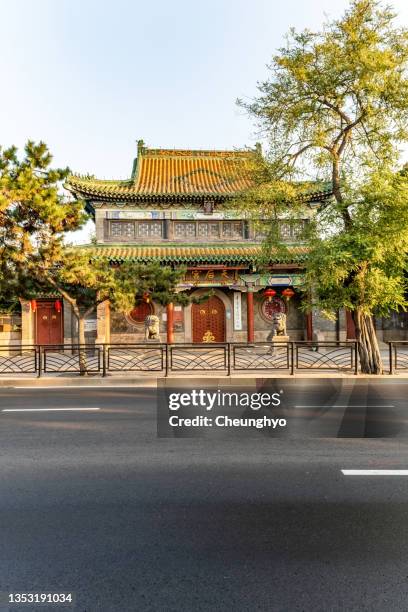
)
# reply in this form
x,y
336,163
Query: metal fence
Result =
x,y
338,356
398,356
111,359
164,359
19,359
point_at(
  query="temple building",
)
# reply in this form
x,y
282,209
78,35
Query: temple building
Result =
x,y
178,208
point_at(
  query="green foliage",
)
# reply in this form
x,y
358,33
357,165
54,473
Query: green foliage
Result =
x,y
35,218
137,281
86,281
32,213
336,108
72,273
338,93
364,268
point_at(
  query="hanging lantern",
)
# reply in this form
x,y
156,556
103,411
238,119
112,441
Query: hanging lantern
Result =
x,y
146,297
288,293
58,305
269,293
33,305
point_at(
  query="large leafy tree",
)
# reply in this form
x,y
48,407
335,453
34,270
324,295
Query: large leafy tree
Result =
x,y
34,256
335,107
86,280
32,213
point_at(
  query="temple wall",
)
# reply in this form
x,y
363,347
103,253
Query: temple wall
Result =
x,y
393,328
10,330
123,330
323,326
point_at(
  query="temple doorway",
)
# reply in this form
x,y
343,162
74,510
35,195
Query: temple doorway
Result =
x,y
48,326
208,321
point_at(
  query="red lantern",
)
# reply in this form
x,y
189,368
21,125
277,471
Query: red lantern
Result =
x,y
288,293
58,305
269,293
33,305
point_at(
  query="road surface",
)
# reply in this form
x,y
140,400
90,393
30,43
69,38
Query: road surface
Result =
x,y
93,503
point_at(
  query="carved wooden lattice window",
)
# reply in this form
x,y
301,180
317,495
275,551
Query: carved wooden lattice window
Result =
x,y
150,229
121,229
291,231
184,230
232,229
209,230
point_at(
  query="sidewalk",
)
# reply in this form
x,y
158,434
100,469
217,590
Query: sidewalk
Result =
x,y
151,381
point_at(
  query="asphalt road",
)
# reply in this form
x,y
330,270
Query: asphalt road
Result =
x,y
93,503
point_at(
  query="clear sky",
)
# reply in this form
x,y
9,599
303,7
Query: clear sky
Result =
x,y
90,77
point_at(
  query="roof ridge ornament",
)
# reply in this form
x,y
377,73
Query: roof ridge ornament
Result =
x,y
141,147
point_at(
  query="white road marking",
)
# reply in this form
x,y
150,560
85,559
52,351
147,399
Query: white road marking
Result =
x,y
375,472
47,409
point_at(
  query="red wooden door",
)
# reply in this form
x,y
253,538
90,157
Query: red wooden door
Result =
x,y
208,321
48,324
350,327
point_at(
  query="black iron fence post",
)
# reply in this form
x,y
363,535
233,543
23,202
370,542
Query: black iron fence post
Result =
x,y
292,359
104,360
391,358
229,359
356,357
39,361
166,365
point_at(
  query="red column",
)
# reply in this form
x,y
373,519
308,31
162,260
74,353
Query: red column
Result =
x,y
170,323
309,326
250,315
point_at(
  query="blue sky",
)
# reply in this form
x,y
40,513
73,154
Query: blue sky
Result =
x,y
91,77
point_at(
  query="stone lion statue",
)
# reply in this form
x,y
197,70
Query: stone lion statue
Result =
x,y
152,328
278,324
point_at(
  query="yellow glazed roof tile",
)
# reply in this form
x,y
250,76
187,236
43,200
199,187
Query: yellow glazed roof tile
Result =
x,y
165,172
190,253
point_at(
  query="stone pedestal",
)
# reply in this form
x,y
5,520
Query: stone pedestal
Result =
x,y
280,339
276,340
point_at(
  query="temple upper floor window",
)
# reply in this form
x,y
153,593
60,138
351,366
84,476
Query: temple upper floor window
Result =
x,y
150,229
232,229
293,230
184,229
169,229
135,230
122,229
208,230
289,230
131,230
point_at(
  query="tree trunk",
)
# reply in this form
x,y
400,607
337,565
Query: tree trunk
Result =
x,y
83,366
369,351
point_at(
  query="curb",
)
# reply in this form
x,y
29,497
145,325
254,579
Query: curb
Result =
x,y
151,381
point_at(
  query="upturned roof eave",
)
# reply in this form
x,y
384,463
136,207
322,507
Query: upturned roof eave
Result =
x,y
109,191
188,254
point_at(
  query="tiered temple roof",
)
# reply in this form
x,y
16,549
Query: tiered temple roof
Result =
x,y
171,174
177,175
162,178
